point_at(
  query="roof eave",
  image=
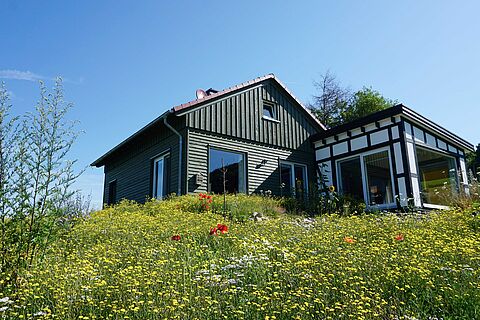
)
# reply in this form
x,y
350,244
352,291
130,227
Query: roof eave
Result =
x,y
100,161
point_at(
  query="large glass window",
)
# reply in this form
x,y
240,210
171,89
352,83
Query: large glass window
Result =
x,y
350,173
379,179
293,178
367,177
226,167
160,176
437,176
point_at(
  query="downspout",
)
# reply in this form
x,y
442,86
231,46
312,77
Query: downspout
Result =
x,y
180,150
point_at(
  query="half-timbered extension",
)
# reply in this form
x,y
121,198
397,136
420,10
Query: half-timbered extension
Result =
x,y
392,156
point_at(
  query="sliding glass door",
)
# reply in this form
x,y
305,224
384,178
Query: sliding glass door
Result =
x,y
293,178
367,177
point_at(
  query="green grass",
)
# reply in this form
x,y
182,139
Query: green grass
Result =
x,y
121,263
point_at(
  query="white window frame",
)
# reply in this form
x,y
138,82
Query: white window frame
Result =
x,y
292,176
366,194
446,155
273,106
155,176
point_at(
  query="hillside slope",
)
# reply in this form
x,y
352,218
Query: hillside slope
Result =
x,y
123,263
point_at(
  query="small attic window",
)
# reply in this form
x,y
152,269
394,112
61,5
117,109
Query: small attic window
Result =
x,y
269,111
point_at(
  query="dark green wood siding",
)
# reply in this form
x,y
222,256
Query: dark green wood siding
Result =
x,y
260,177
132,166
240,116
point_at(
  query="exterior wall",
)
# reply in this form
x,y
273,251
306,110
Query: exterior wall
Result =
x,y
260,175
377,135
418,136
239,116
132,168
401,136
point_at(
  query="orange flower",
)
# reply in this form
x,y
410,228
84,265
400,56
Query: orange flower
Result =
x,y
349,240
399,237
176,237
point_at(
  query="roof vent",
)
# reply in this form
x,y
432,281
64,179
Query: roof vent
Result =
x,y
200,94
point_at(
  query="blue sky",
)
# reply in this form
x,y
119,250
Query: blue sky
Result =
x,y
126,62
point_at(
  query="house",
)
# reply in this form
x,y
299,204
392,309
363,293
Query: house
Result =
x,y
256,136
257,133
392,156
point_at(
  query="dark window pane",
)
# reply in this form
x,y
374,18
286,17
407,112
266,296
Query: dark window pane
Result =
x,y
268,111
286,175
300,179
437,176
351,178
112,192
228,164
379,179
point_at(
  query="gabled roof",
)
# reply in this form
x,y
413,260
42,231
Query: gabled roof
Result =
x,y
398,109
186,107
194,104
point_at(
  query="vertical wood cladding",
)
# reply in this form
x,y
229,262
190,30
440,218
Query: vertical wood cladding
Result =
x,y
262,161
240,115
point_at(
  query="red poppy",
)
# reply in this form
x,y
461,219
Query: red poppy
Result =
x,y
349,240
213,231
399,237
176,237
222,228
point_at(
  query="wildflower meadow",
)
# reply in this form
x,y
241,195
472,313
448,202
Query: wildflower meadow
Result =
x,y
162,260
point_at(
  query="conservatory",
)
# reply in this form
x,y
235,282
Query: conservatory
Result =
x,y
393,158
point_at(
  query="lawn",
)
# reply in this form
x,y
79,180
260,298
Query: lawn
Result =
x,y
122,262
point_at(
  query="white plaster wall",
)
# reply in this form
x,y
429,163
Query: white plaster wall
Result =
x,y
397,149
322,153
402,192
411,157
416,192
395,133
379,137
358,143
340,148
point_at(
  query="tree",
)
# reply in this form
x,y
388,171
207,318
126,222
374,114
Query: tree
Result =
x,y
365,102
335,105
330,103
473,161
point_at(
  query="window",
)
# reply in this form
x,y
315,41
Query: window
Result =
x,y
367,177
294,179
379,179
437,176
269,110
112,192
160,176
350,172
226,171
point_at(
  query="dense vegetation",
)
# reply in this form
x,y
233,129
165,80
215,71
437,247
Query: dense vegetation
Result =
x,y
177,259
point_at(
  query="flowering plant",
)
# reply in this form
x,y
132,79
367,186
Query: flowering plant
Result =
x,y
220,228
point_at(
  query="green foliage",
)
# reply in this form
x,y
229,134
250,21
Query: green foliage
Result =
x,y
240,207
334,105
122,263
365,102
473,161
35,177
